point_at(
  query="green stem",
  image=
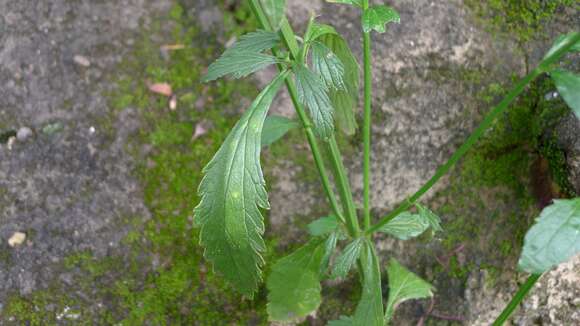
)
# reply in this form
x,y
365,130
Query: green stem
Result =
x,y
368,87
289,39
343,183
479,131
517,299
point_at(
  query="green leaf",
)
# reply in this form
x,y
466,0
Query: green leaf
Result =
x,y
275,11
232,191
554,238
323,225
357,3
561,41
344,101
568,85
275,127
244,57
343,321
294,284
346,260
432,219
238,65
369,311
328,66
256,42
376,17
329,246
403,286
406,226
316,30
313,93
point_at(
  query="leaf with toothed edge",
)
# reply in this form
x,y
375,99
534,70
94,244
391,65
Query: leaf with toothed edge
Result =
x,y
376,17
232,191
313,93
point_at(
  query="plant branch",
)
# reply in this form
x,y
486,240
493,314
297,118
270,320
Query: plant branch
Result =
x,y
517,299
368,86
479,131
289,39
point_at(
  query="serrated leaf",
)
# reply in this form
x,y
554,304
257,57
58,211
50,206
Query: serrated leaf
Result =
x,y
316,30
376,17
403,286
554,238
232,191
344,101
369,311
238,64
313,93
275,11
568,85
294,284
347,258
256,42
357,3
432,219
275,127
406,226
327,65
323,225
561,40
329,247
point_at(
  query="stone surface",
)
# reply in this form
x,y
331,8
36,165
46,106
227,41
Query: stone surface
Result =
x,y
68,189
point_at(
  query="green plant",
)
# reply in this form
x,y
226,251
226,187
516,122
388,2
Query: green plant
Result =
x,y
322,74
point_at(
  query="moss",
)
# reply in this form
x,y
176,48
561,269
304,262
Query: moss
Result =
x,y
523,18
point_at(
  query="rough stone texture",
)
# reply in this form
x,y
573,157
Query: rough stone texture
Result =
x,y
69,186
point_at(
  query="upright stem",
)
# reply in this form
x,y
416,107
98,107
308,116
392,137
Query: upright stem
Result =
x,y
289,39
342,182
479,131
517,299
368,87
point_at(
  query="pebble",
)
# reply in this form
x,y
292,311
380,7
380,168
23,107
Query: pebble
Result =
x,y
23,133
82,61
17,239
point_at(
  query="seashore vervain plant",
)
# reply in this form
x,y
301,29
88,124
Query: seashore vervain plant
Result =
x,y
322,77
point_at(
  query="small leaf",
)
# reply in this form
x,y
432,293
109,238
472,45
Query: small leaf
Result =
x,y
316,30
346,260
232,191
312,93
323,225
433,220
554,238
357,3
275,11
406,226
568,85
561,40
343,321
369,311
275,127
294,284
376,17
403,286
329,247
256,42
344,101
238,65
327,65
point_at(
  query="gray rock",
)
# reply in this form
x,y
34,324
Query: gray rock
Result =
x,y
24,133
